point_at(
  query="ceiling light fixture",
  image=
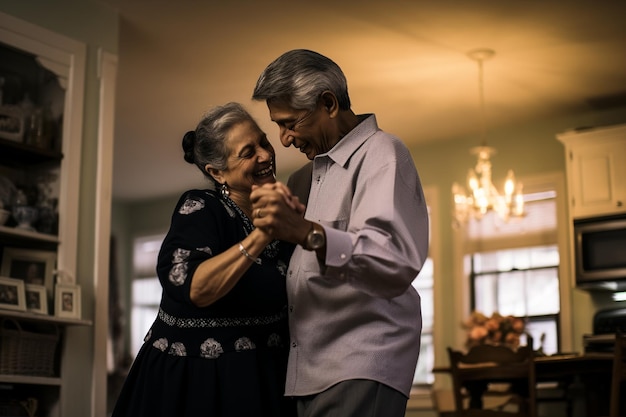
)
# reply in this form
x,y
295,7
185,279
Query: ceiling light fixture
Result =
x,y
483,196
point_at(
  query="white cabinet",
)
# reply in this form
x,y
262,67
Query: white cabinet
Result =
x,y
596,170
41,111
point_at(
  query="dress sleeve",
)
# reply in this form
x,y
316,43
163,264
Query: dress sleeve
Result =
x,y
196,234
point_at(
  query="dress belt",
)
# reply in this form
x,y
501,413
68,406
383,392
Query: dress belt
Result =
x,y
220,321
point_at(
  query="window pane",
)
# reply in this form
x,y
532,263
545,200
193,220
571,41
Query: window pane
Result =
x,y
512,294
542,292
142,318
426,362
424,286
145,288
518,293
485,296
145,252
146,291
524,258
546,329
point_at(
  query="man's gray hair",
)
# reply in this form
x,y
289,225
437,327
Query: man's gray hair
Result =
x,y
299,77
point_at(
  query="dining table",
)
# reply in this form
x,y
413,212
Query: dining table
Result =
x,y
592,370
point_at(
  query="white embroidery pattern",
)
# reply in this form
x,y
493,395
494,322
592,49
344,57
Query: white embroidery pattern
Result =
x,y
219,321
161,344
180,255
205,249
191,205
243,343
178,274
178,349
211,349
148,335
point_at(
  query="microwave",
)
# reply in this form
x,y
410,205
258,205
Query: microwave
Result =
x,y
600,252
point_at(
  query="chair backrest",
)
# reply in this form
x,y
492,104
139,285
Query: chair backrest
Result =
x,y
619,373
472,372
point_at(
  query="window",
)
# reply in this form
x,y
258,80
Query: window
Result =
x,y
520,282
145,288
513,268
424,284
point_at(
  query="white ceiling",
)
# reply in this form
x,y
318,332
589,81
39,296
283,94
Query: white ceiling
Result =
x,y
404,60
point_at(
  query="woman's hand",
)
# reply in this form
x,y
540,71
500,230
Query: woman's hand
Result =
x,y
290,199
277,211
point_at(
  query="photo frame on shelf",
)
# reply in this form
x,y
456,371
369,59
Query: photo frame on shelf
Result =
x,y
11,123
36,299
67,301
31,266
12,295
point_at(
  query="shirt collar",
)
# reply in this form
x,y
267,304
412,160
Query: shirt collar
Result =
x,y
347,146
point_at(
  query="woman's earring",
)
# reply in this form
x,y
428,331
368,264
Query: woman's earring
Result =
x,y
224,190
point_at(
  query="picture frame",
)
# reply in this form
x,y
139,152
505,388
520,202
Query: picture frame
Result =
x,y
31,266
36,299
67,301
12,295
11,123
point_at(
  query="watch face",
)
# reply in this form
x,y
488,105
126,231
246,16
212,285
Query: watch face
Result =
x,y
315,240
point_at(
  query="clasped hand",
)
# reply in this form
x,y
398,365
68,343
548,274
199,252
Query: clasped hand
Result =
x,y
278,212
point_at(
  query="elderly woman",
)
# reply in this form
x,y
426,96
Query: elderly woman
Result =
x,y
219,344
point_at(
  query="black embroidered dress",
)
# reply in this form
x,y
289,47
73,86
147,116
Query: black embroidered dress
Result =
x,y
228,359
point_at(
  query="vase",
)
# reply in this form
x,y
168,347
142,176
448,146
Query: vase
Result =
x,y
46,219
25,216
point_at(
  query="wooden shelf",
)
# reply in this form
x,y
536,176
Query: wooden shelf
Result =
x,y
31,380
16,153
47,318
28,234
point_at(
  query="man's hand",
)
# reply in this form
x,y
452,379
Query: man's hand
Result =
x,y
279,213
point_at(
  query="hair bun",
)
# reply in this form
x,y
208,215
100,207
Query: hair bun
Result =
x,y
189,143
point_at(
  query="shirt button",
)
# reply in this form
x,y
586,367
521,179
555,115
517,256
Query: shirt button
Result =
x,y
294,344
291,309
343,256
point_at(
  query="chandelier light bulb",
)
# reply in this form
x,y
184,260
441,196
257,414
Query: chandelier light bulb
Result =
x,y
483,195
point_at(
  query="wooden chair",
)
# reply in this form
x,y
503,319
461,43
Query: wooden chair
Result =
x,y
485,365
618,374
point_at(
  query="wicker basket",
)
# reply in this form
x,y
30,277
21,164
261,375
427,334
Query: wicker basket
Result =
x,y
12,408
27,352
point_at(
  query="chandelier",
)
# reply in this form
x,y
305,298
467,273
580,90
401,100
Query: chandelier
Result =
x,y
483,195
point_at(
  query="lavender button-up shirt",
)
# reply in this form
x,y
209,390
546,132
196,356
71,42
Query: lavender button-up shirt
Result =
x,y
358,316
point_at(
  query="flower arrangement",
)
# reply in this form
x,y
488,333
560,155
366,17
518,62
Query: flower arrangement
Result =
x,y
497,329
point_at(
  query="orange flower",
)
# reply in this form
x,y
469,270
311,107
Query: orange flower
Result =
x,y
478,333
494,330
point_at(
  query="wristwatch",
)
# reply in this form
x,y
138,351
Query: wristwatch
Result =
x,y
316,238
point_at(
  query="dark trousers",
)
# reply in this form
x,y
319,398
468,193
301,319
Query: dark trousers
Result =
x,y
354,398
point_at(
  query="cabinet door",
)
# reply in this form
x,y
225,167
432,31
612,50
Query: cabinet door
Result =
x,y
598,174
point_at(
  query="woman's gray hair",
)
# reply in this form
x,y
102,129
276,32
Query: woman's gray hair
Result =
x,y
207,144
299,77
